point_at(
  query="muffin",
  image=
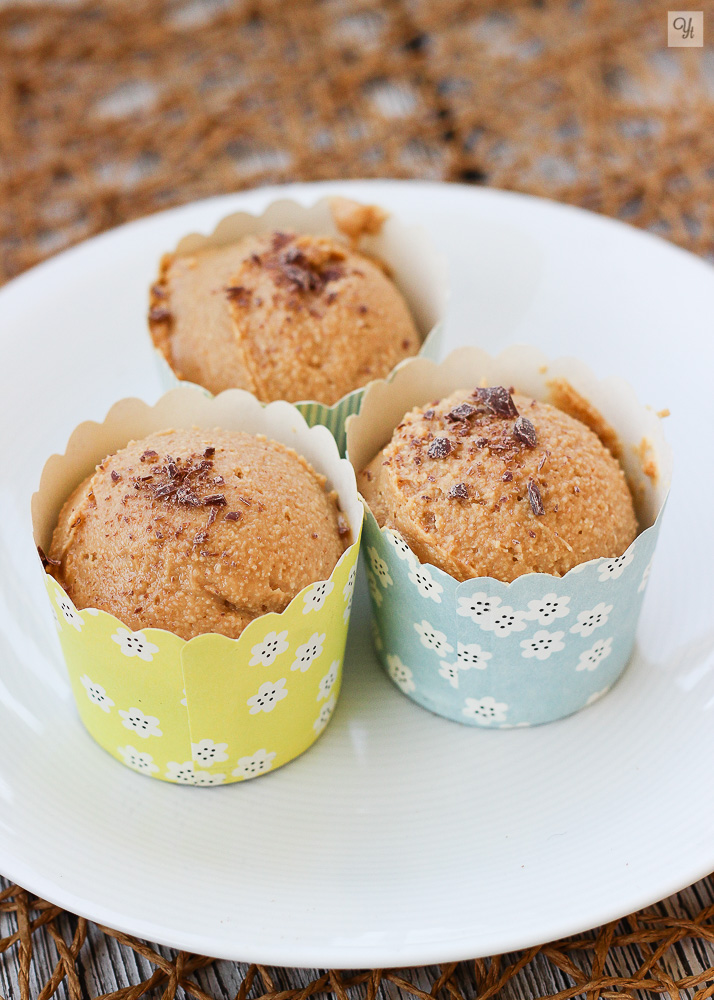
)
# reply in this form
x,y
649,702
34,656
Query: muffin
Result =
x,y
488,482
508,535
286,316
196,531
201,581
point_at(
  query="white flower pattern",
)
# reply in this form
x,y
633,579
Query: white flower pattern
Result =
x,y
379,567
265,652
588,621
593,657
425,582
143,725
400,546
450,671
543,644
645,576
547,608
69,612
597,695
400,674
186,774
138,761
491,614
470,654
348,593
309,651
96,693
325,715
252,767
612,569
268,696
135,644
316,596
486,710
207,752
328,681
432,638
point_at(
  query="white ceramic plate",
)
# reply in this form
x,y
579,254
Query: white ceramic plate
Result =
x,y
401,838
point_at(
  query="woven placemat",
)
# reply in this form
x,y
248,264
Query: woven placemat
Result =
x,y
113,110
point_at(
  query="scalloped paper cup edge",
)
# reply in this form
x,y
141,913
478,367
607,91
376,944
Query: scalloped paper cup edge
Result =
x,y
193,712
488,653
418,270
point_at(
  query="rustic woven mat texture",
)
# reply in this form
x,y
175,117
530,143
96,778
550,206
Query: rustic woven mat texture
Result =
x,y
110,111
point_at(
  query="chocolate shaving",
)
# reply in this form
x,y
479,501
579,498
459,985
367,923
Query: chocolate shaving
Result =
x,y
45,559
215,500
200,538
524,431
233,515
462,412
212,516
245,500
497,399
428,414
149,455
238,294
116,478
459,491
507,476
209,452
159,314
535,498
439,448
280,240
543,459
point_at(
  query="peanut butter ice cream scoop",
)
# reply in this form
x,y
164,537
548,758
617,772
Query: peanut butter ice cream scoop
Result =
x,y
197,531
492,483
284,316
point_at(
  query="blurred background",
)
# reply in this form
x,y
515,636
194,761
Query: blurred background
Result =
x,y
113,110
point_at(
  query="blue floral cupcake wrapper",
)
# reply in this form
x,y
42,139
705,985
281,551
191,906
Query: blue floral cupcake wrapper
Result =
x,y
488,653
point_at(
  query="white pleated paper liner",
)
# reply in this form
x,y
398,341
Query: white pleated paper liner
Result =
x,y
487,653
211,710
417,269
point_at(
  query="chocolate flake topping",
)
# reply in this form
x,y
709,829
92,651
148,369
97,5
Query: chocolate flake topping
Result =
x,y
233,515
159,314
200,538
116,478
149,456
439,448
497,399
462,412
524,431
178,482
535,498
45,559
428,414
238,294
459,491
209,452
293,267
507,476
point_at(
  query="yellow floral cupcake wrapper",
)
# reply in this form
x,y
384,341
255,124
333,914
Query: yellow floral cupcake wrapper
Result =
x,y
212,710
